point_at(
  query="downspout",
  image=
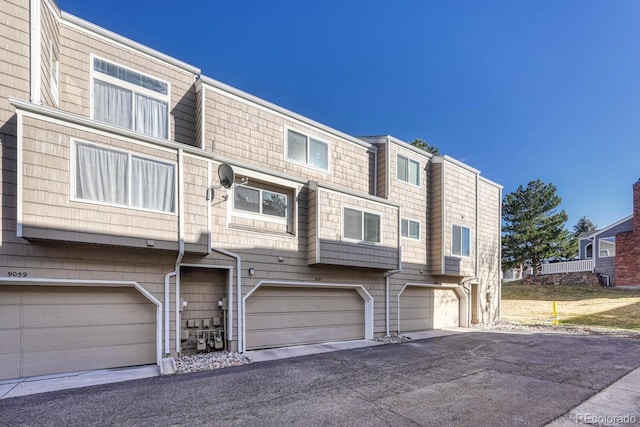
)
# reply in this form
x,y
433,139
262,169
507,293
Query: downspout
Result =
x,y
387,167
391,273
176,272
500,253
239,297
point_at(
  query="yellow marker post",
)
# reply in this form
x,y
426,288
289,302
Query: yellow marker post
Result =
x,y
555,313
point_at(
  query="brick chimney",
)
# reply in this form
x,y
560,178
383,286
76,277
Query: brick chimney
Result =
x,y
628,248
636,207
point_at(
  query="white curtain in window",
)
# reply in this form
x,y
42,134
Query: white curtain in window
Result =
x,y
101,175
151,116
112,104
152,185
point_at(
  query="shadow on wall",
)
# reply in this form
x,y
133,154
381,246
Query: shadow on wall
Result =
x,y
9,168
183,118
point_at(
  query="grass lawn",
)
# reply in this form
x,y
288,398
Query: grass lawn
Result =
x,y
578,305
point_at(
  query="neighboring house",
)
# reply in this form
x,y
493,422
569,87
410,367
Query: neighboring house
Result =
x,y
613,249
120,247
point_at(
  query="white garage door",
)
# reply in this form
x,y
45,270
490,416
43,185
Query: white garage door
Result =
x,y
284,316
46,330
423,308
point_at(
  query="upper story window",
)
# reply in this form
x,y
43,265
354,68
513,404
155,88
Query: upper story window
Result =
x,y
129,99
361,226
307,150
408,170
119,178
410,229
607,246
460,241
260,201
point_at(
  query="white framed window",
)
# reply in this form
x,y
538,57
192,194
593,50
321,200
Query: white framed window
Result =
x,y
55,73
460,241
589,250
410,229
361,226
259,201
408,170
607,246
129,99
112,177
307,150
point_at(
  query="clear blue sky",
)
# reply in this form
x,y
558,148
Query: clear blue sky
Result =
x,y
521,90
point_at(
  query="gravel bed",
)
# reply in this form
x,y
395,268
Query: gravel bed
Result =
x,y
393,339
208,361
512,326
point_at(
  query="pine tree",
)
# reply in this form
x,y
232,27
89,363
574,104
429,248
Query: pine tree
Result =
x,y
533,230
424,145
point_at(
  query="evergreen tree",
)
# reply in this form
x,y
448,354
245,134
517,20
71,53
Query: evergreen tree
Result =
x,y
583,225
533,230
424,145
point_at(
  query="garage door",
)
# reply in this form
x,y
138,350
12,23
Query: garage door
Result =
x,y
46,330
423,308
284,316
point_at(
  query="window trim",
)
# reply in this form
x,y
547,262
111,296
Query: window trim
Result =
x,y
461,255
362,212
97,75
260,216
409,161
72,177
600,249
308,137
408,237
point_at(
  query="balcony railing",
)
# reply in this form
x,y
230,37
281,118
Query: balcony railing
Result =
x,y
568,267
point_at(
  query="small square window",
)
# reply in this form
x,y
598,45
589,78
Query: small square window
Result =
x,y
362,226
307,150
410,229
408,170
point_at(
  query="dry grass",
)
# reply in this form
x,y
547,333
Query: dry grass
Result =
x,y
578,305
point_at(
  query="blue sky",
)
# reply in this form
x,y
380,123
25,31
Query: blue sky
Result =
x,y
521,90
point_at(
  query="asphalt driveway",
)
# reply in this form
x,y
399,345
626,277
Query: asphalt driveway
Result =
x,y
480,378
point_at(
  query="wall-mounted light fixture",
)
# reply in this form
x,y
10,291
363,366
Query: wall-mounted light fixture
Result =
x,y
252,271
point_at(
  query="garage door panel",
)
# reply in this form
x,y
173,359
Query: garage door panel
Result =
x,y
81,337
283,316
423,308
293,336
88,295
269,304
49,362
59,329
10,296
10,365
9,315
74,314
269,321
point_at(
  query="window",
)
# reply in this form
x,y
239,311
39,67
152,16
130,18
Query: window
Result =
x,y
123,179
460,243
607,246
408,170
410,229
260,201
589,251
361,226
307,150
131,100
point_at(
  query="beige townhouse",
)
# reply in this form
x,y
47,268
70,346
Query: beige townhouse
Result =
x,y
149,210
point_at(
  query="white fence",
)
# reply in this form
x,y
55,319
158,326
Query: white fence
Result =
x,y
568,267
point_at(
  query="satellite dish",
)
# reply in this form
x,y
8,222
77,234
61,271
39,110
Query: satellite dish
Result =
x,y
227,175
